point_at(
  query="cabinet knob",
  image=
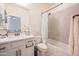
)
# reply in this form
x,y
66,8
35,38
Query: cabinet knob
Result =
x,y
20,52
3,48
16,53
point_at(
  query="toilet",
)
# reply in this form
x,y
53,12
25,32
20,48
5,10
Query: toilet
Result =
x,y
42,48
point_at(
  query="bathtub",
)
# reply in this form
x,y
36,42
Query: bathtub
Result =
x,y
56,48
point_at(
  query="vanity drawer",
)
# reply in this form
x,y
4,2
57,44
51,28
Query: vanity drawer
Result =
x,y
18,43
29,40
4,47
29,43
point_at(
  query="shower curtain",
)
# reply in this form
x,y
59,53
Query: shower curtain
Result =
x,y
74,36
44,27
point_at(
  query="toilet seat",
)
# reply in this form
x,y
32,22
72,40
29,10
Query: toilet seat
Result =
x,y
42,47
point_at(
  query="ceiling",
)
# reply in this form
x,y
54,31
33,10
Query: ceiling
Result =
x,y
37,4
40,6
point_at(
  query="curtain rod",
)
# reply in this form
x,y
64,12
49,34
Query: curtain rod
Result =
x,y
52,8
75,16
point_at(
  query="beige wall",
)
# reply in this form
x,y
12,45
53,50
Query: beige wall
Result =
x,y
59,21
30,16
35,17
1,8
15,10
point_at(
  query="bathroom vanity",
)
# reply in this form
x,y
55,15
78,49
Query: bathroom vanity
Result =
x,y
11,26
14,45
17,46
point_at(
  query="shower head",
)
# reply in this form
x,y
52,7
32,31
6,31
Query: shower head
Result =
x,y
75,15
49,14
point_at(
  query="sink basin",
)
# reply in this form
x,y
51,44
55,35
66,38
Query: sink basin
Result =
x,y
2,37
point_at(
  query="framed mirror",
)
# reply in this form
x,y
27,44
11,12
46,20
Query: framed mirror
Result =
x,y
1,19
14,24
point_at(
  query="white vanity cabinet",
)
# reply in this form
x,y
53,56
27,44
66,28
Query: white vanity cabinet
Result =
x,y
4,49
24,47
12,52
18,48
27,51
29,47
22,51
7,53
16,51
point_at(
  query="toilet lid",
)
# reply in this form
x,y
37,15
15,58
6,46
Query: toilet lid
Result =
x,y
42,46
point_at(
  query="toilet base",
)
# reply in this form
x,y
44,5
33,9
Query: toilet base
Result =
x,y
42,49
40,53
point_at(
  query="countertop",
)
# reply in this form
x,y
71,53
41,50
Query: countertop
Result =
x,y
15,38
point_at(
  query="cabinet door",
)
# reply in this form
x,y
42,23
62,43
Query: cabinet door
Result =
x,y
5,53
27,51
14,52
